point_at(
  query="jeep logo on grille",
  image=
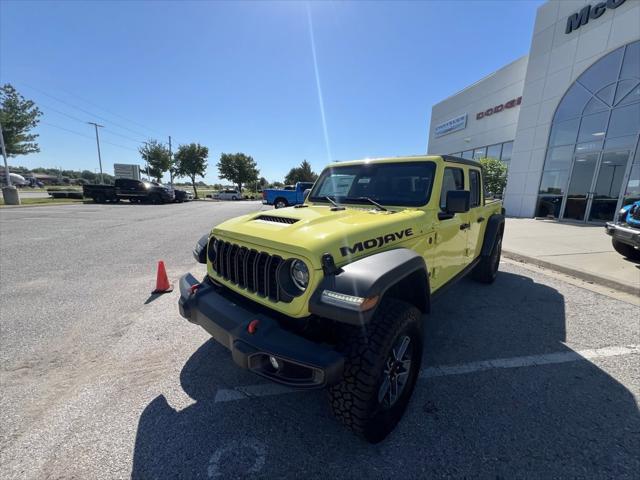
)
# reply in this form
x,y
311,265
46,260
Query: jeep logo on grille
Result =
x,y
376,242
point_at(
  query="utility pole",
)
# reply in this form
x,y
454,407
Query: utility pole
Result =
x,y
4,155
98,143
171,166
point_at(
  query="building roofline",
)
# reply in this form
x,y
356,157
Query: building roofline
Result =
x,y
486,77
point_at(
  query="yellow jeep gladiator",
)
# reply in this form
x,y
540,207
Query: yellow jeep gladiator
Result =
x,y
331,293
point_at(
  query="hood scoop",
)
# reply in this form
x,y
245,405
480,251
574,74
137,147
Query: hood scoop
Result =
x,y
275,219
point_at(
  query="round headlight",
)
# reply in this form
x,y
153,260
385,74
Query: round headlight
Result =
x,y
299,274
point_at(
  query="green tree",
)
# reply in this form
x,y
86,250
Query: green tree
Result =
x,y
495,175
191,161
157,157
303,173
238,168
18,116
263,183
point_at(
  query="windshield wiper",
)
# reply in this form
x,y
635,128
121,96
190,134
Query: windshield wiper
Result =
x,y
336,205
371,201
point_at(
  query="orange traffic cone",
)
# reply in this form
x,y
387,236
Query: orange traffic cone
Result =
x,y
162,280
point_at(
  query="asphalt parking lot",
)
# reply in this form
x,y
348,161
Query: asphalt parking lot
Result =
x,y
531,377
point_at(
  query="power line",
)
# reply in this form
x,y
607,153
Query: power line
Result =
x,y
112,113
84,122
86,136
84,110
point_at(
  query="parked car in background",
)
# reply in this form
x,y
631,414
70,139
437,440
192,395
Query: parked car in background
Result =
x,y
625,231
228,194
126,189
289,195
182,196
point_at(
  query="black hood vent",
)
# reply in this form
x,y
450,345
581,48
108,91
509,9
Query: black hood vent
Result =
x,y
274,219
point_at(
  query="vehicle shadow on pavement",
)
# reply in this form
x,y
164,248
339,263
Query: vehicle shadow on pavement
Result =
x,y
559,420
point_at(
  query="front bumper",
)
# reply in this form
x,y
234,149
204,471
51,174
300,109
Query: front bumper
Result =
x,y
303,363
624,234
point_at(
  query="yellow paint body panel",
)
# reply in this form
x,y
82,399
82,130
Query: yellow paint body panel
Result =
x,y
445,248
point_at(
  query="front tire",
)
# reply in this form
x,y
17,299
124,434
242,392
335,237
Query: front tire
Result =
x,y
626,250
487,269
382,361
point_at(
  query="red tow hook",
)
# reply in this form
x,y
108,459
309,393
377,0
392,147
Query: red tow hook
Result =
x,y
194,288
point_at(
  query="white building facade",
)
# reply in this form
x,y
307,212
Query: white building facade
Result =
x,y
565,118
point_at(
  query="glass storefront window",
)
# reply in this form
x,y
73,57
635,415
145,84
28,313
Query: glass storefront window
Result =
x,y
632,190
603,72
554,182
479,153
631,64
588,147
564,133
549,206
619,142
624,121
595,131
507,148
573,103
493,151
559,158
593,127
624,88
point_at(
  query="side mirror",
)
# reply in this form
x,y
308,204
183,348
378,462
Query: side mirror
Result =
x,y
458,201
306,194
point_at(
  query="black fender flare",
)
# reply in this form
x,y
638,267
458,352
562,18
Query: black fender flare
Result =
x,y
200,250
495,225
373,276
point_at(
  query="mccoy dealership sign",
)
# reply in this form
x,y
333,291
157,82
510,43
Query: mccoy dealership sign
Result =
x,y
450,126
499,108
576,20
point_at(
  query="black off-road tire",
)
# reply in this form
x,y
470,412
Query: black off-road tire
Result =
x,y
354,400
626,250
486,270
155,199
100,198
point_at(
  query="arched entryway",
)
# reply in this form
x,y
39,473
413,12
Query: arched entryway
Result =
x,y
592,163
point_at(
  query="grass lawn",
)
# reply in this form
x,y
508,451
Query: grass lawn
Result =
x,y
46,201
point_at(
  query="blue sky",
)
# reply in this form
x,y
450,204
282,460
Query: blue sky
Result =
x,y
240,76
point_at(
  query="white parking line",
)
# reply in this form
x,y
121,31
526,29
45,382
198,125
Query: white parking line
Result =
x,y
268,389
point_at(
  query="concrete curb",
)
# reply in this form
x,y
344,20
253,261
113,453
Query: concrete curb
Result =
x,y
582,275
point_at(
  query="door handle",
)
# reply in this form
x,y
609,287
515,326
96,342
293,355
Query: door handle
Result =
x,y
480,219
464,226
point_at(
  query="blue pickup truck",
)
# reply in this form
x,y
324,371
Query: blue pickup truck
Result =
x,y
290,195
625,231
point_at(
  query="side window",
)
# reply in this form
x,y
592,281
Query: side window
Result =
x,y
453,180
474,187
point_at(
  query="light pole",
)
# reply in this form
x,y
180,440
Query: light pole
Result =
x,y
170,164
98,144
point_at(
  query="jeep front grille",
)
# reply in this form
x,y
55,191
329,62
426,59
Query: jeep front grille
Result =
x,y
274,219
248,268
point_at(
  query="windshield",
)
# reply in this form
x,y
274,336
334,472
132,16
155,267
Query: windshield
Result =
x,y
402,184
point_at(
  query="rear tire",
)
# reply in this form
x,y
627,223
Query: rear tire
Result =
x,y
487,269
155,199
374,360
100,198
280,203
626,250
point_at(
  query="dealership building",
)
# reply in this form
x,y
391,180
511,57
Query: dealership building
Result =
x,y
565,119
